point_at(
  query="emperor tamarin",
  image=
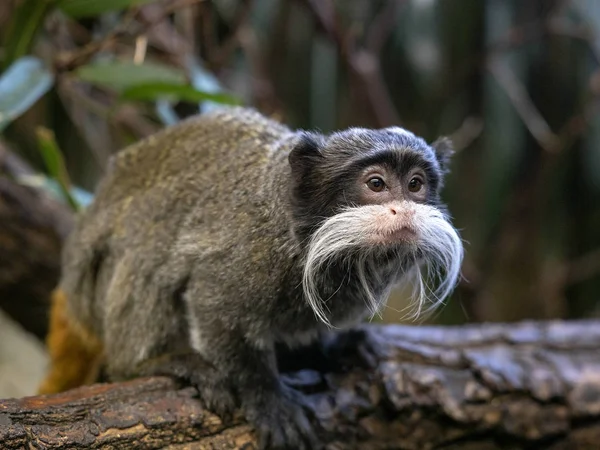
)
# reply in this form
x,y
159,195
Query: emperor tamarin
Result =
x,y
216,239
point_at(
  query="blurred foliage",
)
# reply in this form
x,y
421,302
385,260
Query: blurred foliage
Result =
x,y
55,164
21,85
514,83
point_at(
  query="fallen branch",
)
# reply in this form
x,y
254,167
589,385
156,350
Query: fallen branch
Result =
x,y
32,228
531,385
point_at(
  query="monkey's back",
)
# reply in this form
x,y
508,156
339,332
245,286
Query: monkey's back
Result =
x,y
162,202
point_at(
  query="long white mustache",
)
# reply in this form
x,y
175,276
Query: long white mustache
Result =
x,y
348,238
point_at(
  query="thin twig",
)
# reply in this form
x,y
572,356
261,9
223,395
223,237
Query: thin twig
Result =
x,y
524,106
262,86
65,61
382,26
83,110
231,42
583,268
141,45
12,164
363,63
517,36
366,66
469,130
70,60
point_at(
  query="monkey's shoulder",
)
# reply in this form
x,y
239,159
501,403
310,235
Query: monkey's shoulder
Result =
x,y
203,152
199,139
208,169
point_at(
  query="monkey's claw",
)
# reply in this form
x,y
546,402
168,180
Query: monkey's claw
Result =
x,y
216,397
282,424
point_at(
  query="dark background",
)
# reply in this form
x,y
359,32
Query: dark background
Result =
x,y
515,83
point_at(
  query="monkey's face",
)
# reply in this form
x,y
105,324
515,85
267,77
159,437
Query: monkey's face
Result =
x,y
367,201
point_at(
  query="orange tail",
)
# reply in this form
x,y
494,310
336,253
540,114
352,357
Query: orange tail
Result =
x,y
75,355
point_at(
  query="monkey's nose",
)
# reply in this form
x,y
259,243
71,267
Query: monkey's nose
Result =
x,y
405,213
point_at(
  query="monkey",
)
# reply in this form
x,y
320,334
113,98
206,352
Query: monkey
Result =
x,y
219,238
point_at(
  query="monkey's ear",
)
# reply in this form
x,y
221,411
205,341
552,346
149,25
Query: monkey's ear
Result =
x,y
443,151
306,153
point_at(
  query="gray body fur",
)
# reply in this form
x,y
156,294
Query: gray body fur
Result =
x,y
190,248
175,217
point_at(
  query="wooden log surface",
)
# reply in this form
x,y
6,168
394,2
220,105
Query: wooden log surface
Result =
x,y
479,387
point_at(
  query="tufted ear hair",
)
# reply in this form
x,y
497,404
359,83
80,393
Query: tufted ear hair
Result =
x,y
306,153
443,151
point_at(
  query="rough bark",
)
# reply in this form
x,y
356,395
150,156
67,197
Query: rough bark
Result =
x,y
32,227
484,387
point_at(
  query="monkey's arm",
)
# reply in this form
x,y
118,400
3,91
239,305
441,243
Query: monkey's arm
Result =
x,y
230,371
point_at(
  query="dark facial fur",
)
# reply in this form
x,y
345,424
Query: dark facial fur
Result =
x,y
324,169
216,239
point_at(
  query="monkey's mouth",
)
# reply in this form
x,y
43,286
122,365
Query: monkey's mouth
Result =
x,y
400,235
404,234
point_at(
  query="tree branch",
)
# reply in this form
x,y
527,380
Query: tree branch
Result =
x,y
531,385
32,228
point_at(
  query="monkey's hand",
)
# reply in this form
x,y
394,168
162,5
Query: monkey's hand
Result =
x,y
233,374
280,418
190,368
276,410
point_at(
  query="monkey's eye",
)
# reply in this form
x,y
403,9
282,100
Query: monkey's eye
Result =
x,y
376,184
415,184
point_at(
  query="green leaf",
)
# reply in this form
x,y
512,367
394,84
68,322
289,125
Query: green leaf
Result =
x,y
179,92
123,75
23,83
55,163
88,8
23,27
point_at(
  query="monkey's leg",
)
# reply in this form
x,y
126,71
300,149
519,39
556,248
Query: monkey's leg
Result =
x,y
75,355
191,368
230,372
275,409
